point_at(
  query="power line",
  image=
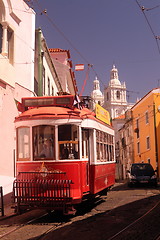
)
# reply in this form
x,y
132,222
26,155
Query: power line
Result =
x,y
143,9
148,9
44,11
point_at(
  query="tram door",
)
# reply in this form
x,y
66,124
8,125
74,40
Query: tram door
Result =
x,y
85,157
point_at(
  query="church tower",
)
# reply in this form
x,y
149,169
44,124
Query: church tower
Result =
x,y
115,95
96,94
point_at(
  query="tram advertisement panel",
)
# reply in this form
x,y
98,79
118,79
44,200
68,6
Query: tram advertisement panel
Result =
x,y
102,114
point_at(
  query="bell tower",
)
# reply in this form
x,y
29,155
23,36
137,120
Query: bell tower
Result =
x,y
115,95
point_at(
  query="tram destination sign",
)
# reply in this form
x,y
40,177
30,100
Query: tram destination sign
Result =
x,y
66,100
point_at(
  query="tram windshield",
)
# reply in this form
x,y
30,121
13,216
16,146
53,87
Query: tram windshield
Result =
x,y
68,142
45,145
44,142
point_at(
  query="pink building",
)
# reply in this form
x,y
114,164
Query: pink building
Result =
x,y
63,66
20,75
17,38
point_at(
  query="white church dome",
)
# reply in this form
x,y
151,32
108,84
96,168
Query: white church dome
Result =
x,y
96,93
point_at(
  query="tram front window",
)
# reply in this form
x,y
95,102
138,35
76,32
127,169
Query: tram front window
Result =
x,y
23,139
43,142
68,142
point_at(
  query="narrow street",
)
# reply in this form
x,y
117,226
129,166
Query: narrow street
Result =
x,y
100,220
79,108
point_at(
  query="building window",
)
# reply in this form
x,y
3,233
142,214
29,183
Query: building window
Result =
x,y
10,44
137,127
107,96
138,147
118,94
1,36
35,86
52,91
6,41
123,142
48,87
44,82
148,142
146,117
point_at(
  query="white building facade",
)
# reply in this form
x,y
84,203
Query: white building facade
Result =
x,y
17,39
46,79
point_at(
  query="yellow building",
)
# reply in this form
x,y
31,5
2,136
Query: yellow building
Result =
x,y
146,126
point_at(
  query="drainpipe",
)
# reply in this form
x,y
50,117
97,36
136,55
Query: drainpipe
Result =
x,y
40,63
156,143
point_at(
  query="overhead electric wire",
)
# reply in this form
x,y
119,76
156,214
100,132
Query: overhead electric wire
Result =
x,y
143,9
44,11
148,9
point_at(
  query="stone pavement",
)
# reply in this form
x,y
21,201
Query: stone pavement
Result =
x,y
8,211
8,207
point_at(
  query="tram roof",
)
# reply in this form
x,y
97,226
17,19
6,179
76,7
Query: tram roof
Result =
x,y
55,112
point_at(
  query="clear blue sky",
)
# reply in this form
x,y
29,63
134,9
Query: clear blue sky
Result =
x,y
103,32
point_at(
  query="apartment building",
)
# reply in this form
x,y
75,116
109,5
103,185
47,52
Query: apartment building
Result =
x,y
146,126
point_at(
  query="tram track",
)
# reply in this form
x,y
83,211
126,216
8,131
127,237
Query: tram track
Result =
x,y
134,230
109,208
16,228
59,221
144,227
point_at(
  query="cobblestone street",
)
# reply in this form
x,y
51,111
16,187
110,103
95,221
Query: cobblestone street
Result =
x,y
99,221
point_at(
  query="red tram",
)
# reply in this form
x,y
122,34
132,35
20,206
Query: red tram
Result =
x,y
64,154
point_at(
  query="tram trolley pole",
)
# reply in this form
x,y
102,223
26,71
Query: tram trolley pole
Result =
x,y
1,201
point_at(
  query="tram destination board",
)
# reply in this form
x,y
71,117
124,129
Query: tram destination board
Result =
x,y
48,101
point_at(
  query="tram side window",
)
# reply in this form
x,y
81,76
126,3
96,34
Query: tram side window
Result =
x,y
85,137
100,147
23,144
68,142
105,150
44,142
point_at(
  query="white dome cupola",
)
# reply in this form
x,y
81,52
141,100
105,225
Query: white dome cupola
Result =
x,y
96,94
114,79
96,91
